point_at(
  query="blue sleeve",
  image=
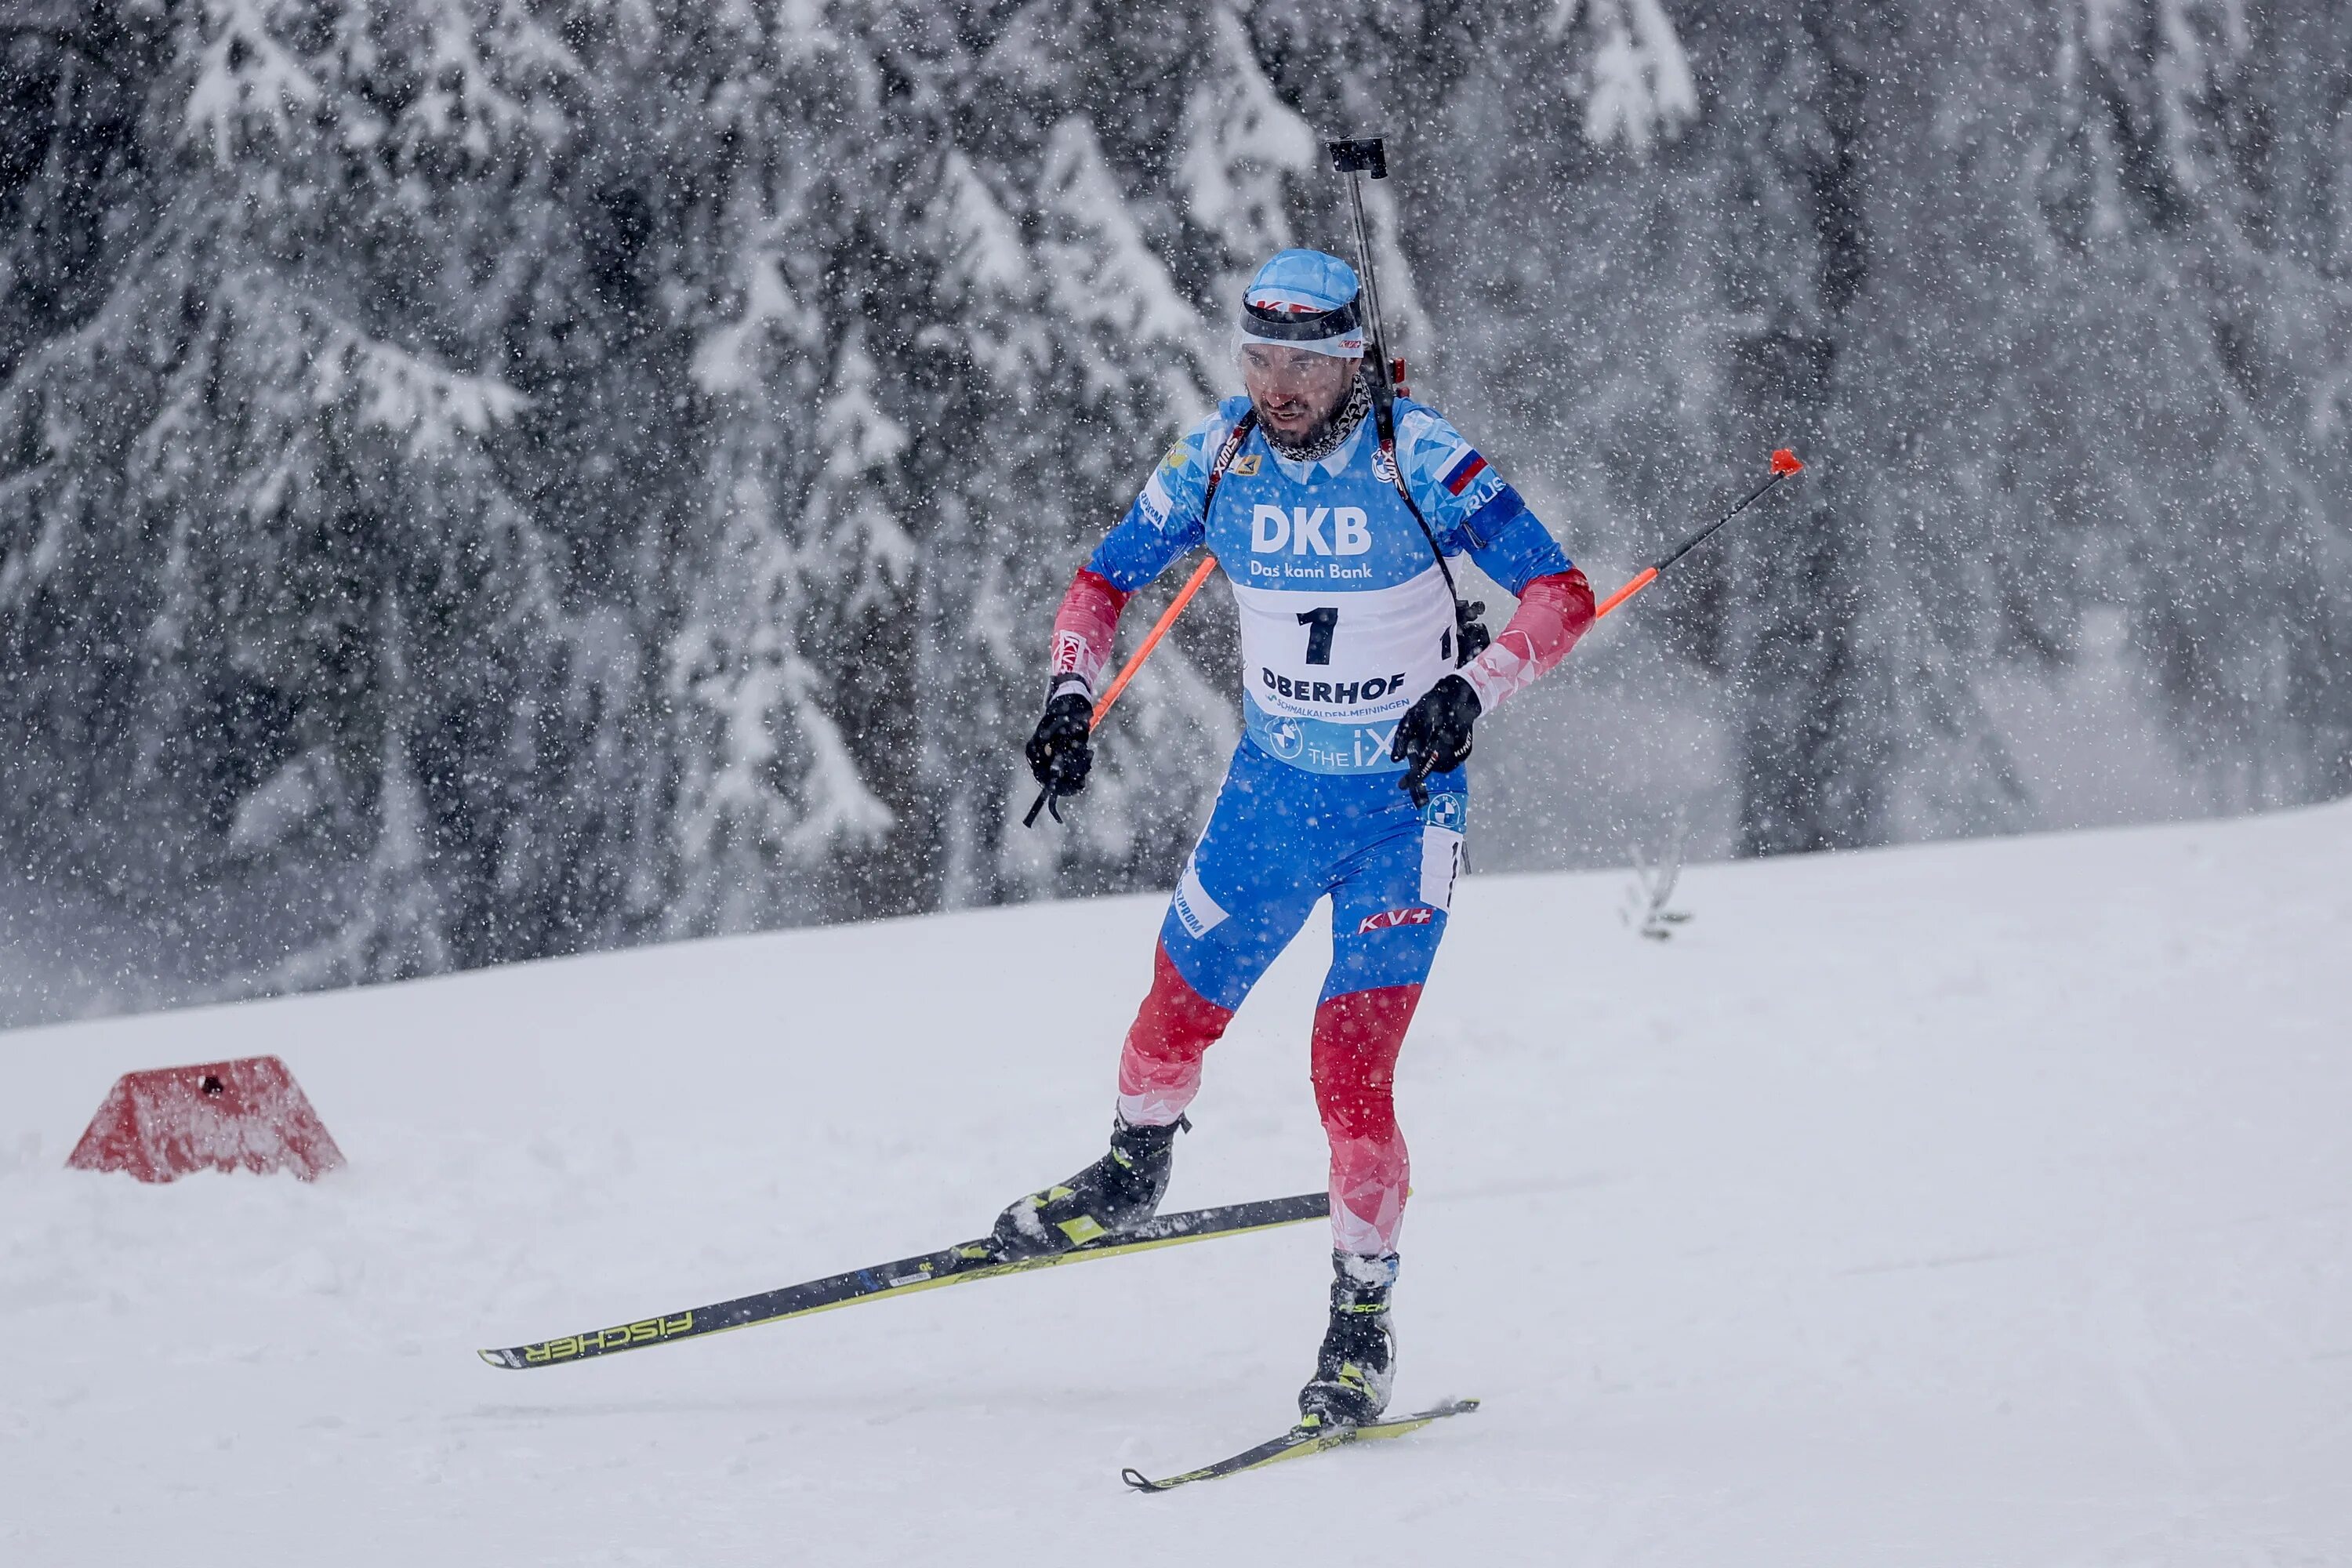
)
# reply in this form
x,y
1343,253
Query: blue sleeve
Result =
x,y
1165,519
1469,505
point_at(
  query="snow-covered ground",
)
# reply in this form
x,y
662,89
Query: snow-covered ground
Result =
x,y
1979,1205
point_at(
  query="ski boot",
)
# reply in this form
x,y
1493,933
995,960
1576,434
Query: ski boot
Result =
x,y
1117,1192
1357,1366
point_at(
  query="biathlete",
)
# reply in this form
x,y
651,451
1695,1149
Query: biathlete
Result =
x,y
1348,782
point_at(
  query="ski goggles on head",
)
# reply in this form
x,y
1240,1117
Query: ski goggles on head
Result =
x,y
1269,319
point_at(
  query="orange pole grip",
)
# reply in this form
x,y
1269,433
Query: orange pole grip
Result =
x,y
1167,619
1649,574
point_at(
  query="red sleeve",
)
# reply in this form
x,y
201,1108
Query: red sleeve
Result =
x,y
1554,611
1083,630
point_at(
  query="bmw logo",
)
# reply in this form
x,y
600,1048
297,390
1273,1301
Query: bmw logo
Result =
x,y
1284,736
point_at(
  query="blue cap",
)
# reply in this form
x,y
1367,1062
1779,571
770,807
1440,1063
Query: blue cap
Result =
x,y
1305,300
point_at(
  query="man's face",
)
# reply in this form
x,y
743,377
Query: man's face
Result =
x,y
1296,390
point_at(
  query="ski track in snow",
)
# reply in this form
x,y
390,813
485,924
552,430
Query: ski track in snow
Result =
x,y
1986,1204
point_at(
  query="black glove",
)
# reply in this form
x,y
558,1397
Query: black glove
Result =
x,y
1473,638
1434,736
1059,755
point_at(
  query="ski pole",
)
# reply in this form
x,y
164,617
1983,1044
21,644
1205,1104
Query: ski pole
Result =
x,y
1044,800
1784,463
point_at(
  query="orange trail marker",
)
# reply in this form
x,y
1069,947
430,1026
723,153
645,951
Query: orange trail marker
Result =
x,y
248,1114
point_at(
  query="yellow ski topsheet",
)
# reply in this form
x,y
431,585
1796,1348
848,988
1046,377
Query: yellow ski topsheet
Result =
x,y
957,1266
1300,1441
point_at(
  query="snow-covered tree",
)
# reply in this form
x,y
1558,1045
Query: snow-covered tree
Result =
x,y
256,473
2194,193
481,478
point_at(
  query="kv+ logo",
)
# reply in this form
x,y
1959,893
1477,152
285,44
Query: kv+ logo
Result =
x,y
1301,530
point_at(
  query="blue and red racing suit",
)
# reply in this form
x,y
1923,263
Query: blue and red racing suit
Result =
x,y
1345,620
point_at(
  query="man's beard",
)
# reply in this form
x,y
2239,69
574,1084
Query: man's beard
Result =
x,y
1326,435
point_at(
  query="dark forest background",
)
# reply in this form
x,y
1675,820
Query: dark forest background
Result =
x,y
489,478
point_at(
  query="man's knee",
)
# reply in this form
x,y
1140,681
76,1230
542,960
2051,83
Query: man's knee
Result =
x,y
1357,1038
1176,1023
1159,1069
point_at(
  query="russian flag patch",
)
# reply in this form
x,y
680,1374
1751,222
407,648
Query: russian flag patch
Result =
x,y
1467,465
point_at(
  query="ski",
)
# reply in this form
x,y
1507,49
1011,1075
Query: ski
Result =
x,y
956,1266
1299,1442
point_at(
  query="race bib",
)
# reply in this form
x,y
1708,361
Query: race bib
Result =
x,y
1335,669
